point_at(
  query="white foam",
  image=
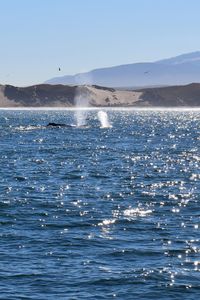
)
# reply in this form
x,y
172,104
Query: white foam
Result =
x,y
131,212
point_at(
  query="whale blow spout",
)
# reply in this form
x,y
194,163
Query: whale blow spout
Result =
x,y
103,119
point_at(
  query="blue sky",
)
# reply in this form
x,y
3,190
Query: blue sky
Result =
x,y
39,36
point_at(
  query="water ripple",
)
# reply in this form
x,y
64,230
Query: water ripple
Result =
x,y
100,213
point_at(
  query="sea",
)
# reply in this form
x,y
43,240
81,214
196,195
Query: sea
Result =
x,y
105,208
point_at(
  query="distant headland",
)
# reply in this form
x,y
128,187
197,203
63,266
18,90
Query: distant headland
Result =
x,y
46,95
178,70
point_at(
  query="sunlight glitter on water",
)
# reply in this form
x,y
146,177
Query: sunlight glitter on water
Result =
x,y
116,208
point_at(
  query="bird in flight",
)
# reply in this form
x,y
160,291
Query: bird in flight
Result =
x,y
59,69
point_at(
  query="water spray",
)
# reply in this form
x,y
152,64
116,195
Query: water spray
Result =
x,y
103,119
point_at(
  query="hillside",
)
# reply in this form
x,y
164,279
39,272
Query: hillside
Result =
x,y
45,95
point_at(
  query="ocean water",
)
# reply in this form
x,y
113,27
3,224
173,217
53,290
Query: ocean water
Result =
x,y
100,213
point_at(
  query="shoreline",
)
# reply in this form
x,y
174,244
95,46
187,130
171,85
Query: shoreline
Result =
x,y
121,108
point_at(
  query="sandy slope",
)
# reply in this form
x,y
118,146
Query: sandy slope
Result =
x,y
111,97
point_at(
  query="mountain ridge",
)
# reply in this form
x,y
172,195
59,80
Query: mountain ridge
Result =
x,y
178,70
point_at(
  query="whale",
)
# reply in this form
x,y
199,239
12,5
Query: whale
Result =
x,y
59,125
52,124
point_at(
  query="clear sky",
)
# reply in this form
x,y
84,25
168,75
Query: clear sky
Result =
x,y
39,36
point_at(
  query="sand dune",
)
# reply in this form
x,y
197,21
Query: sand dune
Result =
x,y
46,95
